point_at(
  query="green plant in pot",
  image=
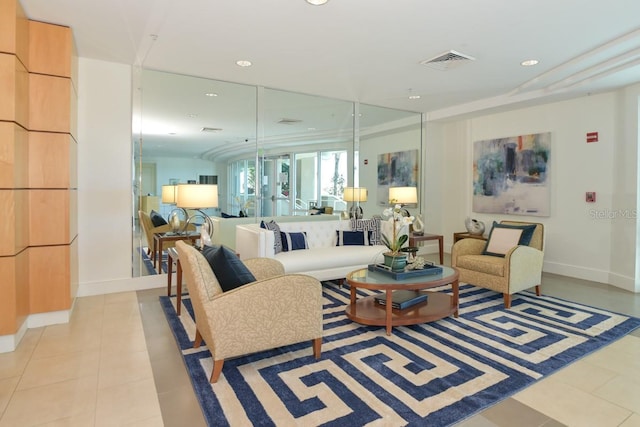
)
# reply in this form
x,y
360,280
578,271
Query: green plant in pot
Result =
x,y
395,259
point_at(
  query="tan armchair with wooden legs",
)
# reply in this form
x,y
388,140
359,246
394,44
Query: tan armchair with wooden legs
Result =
x,y
274,311
149,230
520,269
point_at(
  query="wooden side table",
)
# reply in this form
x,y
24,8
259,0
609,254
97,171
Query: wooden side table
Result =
x,y
415,238
160,238
172,256
466,235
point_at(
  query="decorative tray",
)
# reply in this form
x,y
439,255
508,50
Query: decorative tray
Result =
x,y
428,269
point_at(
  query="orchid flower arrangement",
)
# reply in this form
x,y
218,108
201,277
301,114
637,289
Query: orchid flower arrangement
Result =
x,y
398,221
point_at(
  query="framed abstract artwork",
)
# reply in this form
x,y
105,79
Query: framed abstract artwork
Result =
x,y
511,175
399,169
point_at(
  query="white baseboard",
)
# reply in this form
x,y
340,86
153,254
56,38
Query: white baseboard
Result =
x,y
9,343
122,285
595,275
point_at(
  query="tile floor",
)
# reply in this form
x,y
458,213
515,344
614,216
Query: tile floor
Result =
x,y
116,364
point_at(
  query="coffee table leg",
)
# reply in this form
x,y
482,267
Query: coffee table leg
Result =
x,y
441,249
389,309
160,257
456,295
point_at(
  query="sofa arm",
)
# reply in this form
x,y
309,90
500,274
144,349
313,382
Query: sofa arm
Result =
x,y
254,242
466,247
264,268
265,314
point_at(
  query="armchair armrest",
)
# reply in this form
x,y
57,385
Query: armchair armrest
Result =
x,y
265,314
264,268
466,247
524,265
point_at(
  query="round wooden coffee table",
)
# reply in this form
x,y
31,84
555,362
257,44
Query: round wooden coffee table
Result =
x,y
438,304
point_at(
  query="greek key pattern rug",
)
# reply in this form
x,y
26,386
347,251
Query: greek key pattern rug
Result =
x,y
433,374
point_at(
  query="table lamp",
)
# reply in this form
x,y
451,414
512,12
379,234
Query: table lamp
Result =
x,y
403,196
198,197
355,195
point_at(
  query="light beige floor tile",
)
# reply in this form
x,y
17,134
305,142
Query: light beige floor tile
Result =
x,y
584,376
53,345
84,419
623,391
121,297
127,403
570,405
60,368
126,340
7,387
51,402
121,368
632,421
618,357
150,422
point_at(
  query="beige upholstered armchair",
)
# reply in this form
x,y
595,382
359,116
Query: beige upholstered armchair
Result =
x,y
273,311
149,229
519,269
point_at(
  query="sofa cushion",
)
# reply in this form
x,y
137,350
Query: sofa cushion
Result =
x,y
503,237
293,241
227,267
156,219
482,263
330,258
372,225
347,238
277,238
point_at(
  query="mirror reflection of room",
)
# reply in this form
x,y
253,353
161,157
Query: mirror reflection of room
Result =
x,y
271,153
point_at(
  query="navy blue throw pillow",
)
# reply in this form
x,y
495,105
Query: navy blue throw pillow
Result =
x,y
227,267
156,219
294,241
353,238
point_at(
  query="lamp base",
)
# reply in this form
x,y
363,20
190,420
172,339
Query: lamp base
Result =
x,y
355,212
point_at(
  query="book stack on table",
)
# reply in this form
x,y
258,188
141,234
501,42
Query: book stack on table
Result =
x,y
402,299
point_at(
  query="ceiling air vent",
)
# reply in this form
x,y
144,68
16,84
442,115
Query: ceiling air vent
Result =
x,y
289,121
206,129
447,60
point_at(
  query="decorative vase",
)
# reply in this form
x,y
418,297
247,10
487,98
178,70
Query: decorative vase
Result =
x,y
418,225
474,226
396,262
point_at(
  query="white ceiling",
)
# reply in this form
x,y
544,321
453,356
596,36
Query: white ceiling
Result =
x,y
370,50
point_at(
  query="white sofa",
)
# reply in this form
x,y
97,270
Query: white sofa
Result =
x,y
323,260
224,229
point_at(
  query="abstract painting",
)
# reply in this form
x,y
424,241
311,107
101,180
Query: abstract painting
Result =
x,y
398,169
511,175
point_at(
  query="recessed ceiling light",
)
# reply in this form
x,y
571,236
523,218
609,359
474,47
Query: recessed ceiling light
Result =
x,y
317,2
210,94
243,63
192,115
529,62
414,96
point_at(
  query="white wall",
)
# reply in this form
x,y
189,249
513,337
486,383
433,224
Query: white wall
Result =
x,y
104,179
578,242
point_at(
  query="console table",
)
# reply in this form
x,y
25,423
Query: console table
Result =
x,y
160,238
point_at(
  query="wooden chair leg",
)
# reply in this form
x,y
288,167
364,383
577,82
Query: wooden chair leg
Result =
x,y
507,300
198,340
217,369
317,347
538,290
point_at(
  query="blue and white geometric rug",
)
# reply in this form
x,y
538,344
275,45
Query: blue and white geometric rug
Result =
x,y
433,374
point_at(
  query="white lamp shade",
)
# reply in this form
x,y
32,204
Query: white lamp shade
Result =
x,y
197,196
355,194
403,195
169,194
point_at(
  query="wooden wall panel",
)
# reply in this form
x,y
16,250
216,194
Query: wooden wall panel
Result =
x,y
49,278
14,87
7,229
50,49
50,156
73,214
49,103
48,217
13,156
8,306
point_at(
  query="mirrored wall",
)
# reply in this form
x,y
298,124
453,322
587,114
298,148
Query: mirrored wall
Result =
x,y
272,153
